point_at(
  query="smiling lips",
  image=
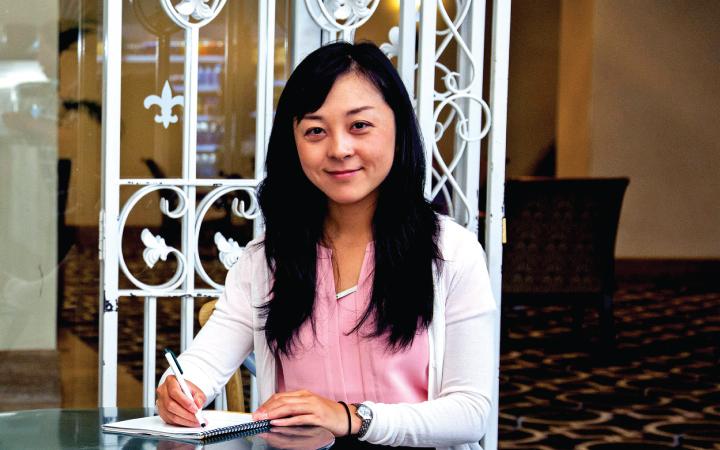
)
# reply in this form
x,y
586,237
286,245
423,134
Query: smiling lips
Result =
x,y
341,174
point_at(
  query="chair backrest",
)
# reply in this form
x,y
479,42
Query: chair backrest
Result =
x,y
561,235
234,386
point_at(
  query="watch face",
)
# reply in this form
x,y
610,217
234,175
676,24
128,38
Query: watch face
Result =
x,y
364,411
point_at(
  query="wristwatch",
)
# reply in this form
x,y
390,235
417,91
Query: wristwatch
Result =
x,y
365,414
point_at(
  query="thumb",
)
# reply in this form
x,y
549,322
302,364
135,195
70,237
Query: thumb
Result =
x,y
199,398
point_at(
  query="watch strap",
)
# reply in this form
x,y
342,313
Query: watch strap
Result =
x,y
365,421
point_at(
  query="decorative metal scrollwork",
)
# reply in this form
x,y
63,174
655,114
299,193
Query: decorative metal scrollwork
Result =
x,y
451,77
156,249
457,96
228,249
155,246
341,15
192,13
462,139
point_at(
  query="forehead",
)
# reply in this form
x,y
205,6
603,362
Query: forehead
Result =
x,y
351,91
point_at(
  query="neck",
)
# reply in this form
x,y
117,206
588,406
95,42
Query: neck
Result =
x,y
350,223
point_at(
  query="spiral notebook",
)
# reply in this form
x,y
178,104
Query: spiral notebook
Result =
x,y
219,423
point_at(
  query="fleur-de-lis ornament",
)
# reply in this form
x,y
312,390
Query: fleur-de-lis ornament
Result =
x,y
230,250
166,102
196,8
345,9
392,49
156,248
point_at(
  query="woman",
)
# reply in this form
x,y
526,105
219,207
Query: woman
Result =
x,y
369,314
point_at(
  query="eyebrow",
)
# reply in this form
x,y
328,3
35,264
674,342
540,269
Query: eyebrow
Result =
x,y
349,113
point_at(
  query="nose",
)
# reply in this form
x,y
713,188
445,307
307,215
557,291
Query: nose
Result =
x,y
341,146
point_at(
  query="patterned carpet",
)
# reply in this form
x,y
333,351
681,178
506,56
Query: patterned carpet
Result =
x,y
658,388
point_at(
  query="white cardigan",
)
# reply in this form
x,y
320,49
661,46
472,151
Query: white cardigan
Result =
x,y
462,341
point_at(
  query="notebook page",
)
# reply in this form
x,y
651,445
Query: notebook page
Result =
x,y
155,425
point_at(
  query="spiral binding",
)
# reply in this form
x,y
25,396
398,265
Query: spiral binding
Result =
x,y
237,430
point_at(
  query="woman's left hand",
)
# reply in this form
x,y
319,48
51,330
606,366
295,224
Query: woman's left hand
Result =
x,y
304,408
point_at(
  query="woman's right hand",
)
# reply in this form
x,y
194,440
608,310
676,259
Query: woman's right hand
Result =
x,y
173,405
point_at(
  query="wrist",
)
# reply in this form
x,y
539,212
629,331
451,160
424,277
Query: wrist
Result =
x,y
355,421
365,414
348,414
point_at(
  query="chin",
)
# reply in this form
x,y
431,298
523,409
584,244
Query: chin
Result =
x,y
346,199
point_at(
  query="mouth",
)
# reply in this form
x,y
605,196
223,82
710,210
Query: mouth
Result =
x,y
342,173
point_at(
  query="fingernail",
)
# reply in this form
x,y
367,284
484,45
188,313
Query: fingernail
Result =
x,y
260,416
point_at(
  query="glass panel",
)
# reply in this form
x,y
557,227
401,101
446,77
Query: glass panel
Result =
x,y
29,205
50,85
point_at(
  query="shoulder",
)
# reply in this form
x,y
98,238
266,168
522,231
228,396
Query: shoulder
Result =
x,y
250,261
457,242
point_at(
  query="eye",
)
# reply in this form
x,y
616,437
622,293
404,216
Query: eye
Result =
x,y
360,126
314,131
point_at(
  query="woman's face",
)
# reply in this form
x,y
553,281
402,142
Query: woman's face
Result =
x,y
346,147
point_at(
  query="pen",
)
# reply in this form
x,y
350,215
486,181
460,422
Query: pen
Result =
x,y
178,372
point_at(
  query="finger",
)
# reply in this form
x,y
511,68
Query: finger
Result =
x,y
284,400
282,396
182,421
259,415
199,398
172,419
178,410
300,393
176,394
304,419
291,408
270,404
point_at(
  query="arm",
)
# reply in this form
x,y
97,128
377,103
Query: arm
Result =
x,y
227,338
459,413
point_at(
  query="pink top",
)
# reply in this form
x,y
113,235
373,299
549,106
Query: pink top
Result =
x,y
352,368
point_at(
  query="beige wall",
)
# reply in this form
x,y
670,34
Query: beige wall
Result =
x,y
653,112
574,87
532,90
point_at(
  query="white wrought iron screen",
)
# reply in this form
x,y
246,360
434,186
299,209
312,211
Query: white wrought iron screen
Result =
x,y
438,47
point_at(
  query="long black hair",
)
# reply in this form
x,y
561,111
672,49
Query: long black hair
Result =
x,y
405,228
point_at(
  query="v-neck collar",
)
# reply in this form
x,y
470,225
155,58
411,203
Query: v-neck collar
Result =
x,y
366,269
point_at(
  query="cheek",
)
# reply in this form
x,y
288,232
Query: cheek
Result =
x,y
388,155
387,162
305,156
310,164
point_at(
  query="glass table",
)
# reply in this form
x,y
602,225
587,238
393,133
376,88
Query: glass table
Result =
x,y
48,429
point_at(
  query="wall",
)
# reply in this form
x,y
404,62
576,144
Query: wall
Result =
x,y
532,90
574,88
653,117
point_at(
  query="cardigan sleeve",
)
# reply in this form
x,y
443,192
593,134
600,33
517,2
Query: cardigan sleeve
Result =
x,y
227,337
460,412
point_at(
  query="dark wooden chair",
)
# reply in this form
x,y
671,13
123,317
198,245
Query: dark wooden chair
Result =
x,y
561,244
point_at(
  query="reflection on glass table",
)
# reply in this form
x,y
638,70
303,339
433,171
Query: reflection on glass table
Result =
x,y
73,429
